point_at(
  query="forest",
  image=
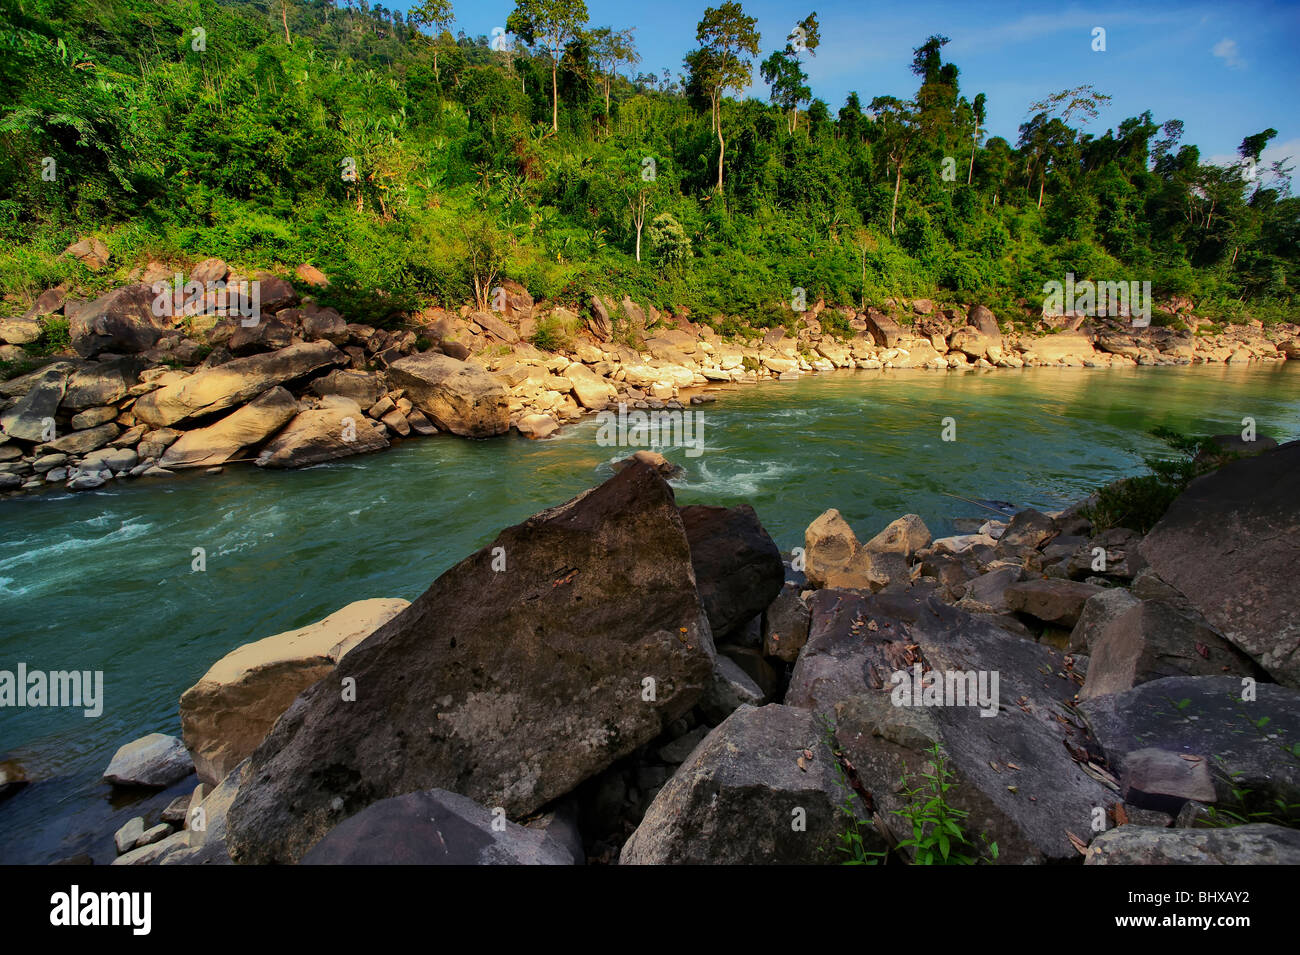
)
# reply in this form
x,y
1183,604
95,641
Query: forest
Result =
x,y
418,165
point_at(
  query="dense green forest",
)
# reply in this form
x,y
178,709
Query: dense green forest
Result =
x,y
414,165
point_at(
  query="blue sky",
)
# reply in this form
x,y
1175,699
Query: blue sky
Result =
x,y
1226,69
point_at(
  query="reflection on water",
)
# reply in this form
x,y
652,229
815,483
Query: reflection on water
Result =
x,y
103,580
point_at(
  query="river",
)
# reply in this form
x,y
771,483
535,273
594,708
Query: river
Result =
x,y
103,580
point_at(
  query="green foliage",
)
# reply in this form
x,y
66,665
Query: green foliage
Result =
x,y
464,179
552,334
1139,502
937,835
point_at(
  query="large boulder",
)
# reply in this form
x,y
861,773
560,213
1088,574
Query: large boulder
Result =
x,y
1052,348
1154,639
247,426
592,391
363,387
1052,600
1255,844
121,321
102,383
982,318
434,827
530,666
762,788
738,568
234,383
905,536
336,429
1236,726
1017,751
883,330
1229,542
234,705
458,396
785,623
154,761
31,417
834,558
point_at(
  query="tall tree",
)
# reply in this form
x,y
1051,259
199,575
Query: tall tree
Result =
x,y
979,114
728,39
550,25
611,49
435,15
896,120
784,72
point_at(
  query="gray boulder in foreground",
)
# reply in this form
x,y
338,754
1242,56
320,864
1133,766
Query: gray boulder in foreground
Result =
x,y
1231,543
761,788
154,761
434,827
509,684
1254,844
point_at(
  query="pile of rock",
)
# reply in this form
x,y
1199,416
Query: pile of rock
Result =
x,y
654,684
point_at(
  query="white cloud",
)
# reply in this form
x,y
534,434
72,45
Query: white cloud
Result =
x,y
1227,51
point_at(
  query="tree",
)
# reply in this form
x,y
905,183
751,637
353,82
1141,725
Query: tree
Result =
x,y
978,110
611,49
896,120
437,16
784,73
727,38
550,25
1048,133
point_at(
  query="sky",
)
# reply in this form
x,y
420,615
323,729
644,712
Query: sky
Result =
x,y
1226,69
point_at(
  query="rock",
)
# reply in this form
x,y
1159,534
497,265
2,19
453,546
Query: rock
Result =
x,y
363,387
123,459
1164,781
209,271
598,320
983,319
218,443
121,321
234,383
93,417
1254,844
233,706
537,425
312,275
155,761
856,645
434,827
737,799
732,687
81,442
834,558
591,391
990,589
904,536
334,430
785,624
19,331
154,852
1226,542
126,837
1207,718
31,417
738,568
1051,600
1052,348
971,342
1153,639
512,686
420,424
91,252
177,810
268,334
883,329
276,292
661,465
155,834
1028,529
676,752
1098,611
102,383
325,324
498,329
12,778
459,397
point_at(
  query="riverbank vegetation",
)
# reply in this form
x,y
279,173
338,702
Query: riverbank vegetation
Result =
x,y
410,163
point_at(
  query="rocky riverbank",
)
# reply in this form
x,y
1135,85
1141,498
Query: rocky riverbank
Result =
x,y
622,679
141,394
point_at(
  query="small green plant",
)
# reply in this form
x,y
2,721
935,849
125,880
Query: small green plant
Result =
x,y
551,335
1139,502
937,834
